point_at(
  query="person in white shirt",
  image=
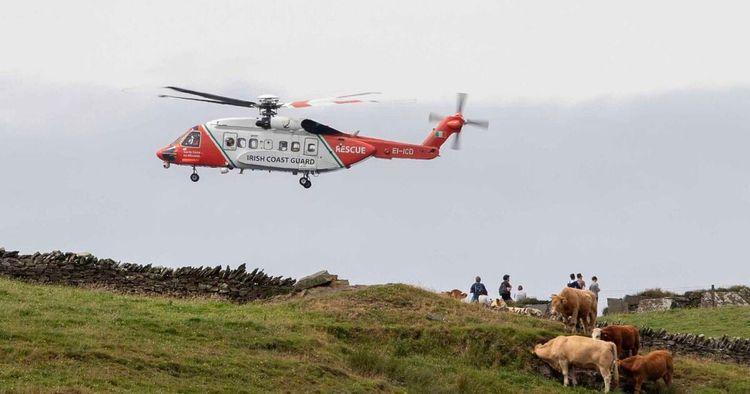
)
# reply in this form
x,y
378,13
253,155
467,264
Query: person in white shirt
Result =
x,y
520,294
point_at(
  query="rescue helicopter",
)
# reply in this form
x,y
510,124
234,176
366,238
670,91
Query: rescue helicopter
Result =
x,y
300,146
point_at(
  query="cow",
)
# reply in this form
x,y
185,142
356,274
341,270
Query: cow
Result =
x,y
653,366
526,311
626,338
456,294
499,303
564,352
574,304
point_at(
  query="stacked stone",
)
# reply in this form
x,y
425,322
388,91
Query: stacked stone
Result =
x,y
723,348
83,269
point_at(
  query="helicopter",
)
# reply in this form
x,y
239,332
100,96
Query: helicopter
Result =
x,y
273,142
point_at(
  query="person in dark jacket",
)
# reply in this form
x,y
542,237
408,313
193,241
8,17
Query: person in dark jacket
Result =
x,y
505,288
573,282
477,289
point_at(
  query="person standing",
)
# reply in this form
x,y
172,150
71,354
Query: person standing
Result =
x,y
594,287
477,289
505,288
573,282
581,282
520,294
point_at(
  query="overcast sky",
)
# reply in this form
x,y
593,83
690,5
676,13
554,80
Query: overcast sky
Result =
x,y
617,147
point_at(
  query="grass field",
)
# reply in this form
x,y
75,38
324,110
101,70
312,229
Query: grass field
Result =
x,y
733,321
375,339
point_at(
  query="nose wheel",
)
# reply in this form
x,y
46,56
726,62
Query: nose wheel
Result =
x,y
305,182
194,176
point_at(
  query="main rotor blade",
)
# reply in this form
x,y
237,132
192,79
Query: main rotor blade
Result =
x,y
435,117
484,124
345,99
460,102
206,101
228,100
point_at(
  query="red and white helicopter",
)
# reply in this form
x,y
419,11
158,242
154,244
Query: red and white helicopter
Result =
x,y
300,146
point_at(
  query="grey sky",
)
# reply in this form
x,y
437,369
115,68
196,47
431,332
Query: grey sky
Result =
x,y
617,144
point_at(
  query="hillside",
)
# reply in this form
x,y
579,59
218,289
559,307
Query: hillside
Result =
x,y
733,321
373,339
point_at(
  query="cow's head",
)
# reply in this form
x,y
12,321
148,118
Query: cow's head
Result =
x,y
498,303
596,333
625,367
558,304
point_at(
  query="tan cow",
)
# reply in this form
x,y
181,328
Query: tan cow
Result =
x,y
564,352
456,293
653,366
574,304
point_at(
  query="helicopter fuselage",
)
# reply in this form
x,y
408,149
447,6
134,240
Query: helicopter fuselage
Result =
x,y
290,145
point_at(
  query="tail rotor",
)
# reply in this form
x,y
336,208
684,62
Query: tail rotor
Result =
x,y
460,104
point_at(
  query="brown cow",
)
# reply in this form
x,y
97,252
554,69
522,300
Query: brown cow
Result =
x,y
574,304
582,352
456,293
626,338
653,366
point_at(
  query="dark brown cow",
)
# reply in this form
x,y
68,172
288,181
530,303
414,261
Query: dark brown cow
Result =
x,y
653,366
626,338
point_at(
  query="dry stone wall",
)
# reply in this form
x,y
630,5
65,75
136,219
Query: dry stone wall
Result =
x,y
83,269
724,348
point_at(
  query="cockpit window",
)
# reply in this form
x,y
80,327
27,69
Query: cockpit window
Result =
x,y
192,140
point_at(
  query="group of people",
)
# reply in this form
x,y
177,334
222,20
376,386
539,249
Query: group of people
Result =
x,y
577,282
479,289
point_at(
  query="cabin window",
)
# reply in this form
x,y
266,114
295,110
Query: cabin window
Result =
x,y
229,142
311,146
268,144
295,146
283,146
192,140
253,143
241,142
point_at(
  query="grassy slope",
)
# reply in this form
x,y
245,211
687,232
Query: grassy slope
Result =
x,y
733,321
368,340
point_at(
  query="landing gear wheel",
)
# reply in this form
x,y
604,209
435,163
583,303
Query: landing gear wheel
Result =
x,y
194,177
305,182
307,185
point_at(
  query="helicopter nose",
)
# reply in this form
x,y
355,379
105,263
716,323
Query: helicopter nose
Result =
x,y
167,154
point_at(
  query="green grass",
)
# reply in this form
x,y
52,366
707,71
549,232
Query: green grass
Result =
x,y
376,339
733,321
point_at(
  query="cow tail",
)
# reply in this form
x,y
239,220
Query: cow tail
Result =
x,y
616,372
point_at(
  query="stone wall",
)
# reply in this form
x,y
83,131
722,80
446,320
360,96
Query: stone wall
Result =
x,y
691,299
84,269
724,348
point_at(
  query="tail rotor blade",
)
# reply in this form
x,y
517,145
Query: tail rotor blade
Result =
x,y
460,102
483,124
435,117
457,141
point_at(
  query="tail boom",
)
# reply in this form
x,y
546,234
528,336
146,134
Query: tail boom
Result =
x,y
450,125
385,149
